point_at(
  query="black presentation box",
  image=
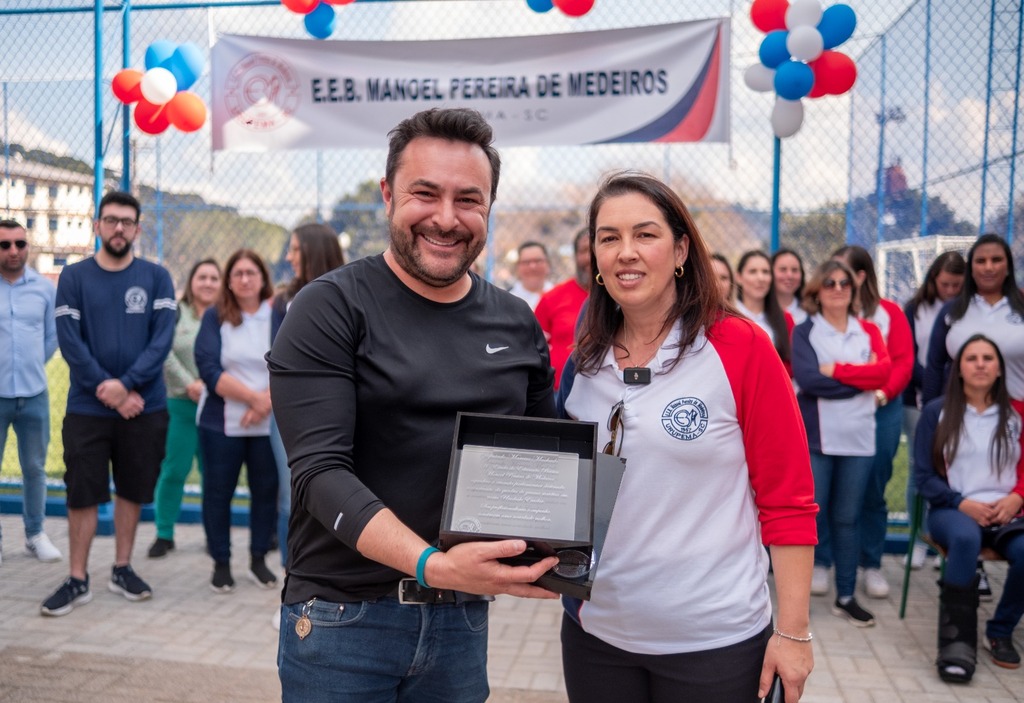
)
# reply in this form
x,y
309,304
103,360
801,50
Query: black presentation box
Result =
x,y
534,479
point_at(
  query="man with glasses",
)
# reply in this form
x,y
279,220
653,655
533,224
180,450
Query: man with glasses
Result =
x,y
28,339
367,374
532,270
115,324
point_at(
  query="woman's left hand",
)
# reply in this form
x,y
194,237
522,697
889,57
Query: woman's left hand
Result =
x,y
1006,508
792,660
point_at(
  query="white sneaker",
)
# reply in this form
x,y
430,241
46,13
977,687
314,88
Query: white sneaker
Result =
x,y
875,584
819,581
918,556
42,548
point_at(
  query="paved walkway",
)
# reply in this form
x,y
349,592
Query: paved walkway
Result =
x,y
189,644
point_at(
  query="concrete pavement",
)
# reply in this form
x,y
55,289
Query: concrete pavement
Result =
x,y
189,644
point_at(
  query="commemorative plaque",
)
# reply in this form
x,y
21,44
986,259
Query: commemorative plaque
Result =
x,y
532,479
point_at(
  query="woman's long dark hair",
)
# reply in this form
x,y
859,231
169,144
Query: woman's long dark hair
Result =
x,y
228,309
860,260
772,310
320,252
698,303
950,262
954,405
970,289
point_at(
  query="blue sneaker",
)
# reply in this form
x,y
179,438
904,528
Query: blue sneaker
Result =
x,y
71,593
125,581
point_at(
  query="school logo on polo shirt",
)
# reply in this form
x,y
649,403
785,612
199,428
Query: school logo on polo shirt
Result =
x,y
685,418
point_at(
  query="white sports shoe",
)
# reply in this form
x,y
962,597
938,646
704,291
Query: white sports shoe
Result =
x,y
42,548
819,581
875,584
918,556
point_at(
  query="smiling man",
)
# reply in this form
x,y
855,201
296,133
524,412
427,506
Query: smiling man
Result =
x,y
370,367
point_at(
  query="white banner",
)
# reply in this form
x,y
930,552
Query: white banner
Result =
x,y
668,83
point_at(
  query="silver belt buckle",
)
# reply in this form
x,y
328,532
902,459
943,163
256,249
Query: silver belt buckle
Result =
x,y
401,592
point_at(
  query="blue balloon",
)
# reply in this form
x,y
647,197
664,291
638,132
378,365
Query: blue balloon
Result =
x,y
773,51
158,52
793,80
186,63
837,24
320,22
541,6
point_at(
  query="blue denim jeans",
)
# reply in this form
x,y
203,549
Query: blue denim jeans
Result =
x,y
839,485
223,457
31,420
383,652
284,490
874,517
961,536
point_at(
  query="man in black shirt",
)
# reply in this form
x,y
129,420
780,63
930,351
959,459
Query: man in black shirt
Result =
x,y
371,365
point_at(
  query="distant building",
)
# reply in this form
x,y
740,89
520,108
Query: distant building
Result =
x,y
55,205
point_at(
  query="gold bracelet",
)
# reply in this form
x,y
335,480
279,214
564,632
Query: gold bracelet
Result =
x,y
808,638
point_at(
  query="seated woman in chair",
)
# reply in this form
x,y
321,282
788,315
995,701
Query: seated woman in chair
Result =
x,y
968,465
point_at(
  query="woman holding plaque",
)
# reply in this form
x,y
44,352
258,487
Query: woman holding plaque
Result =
x,y
698,402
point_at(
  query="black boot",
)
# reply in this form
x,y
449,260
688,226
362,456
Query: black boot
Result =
x,y
958,632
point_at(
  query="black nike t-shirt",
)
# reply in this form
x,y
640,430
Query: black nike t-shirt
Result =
x,y
366,378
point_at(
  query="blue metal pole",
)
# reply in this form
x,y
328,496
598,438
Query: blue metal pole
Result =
x,y
849,176
159,208
988,114
927,110
7,156
880,174
776,183
126,126
1016,122
97,81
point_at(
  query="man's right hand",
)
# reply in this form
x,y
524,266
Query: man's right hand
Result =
x,y
473,567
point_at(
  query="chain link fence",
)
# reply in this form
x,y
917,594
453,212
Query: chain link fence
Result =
x,y
926,143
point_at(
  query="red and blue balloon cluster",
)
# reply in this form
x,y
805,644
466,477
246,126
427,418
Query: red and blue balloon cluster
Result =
x,y
319,15
797,58
161,94
573,8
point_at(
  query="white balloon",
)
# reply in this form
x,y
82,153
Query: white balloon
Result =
x,y
759,77
803,13
158,85
804,43
787,116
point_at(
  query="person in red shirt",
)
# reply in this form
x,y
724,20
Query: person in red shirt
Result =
x,y
559,308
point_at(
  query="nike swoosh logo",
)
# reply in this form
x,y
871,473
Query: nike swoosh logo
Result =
x,y
494,350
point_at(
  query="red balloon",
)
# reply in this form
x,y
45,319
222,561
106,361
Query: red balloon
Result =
x,y
301,7
574,8
126,85
186,111
769,15
151,119
834,73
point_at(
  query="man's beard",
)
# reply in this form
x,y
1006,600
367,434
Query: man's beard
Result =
x,y
117,253
411,259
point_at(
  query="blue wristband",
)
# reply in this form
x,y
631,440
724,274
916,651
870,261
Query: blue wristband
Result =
x,y
421,566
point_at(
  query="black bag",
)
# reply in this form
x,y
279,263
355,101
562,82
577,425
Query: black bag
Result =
x,y
996,536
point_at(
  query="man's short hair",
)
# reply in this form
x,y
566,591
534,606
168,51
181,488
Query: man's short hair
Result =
x,y
117,197
6,223
452,124
526,245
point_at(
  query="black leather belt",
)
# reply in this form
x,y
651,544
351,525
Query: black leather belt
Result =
x,y
410,592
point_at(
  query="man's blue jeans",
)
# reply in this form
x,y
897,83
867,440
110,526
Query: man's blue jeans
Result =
x,y
31,420
839,485
384,652
961,536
